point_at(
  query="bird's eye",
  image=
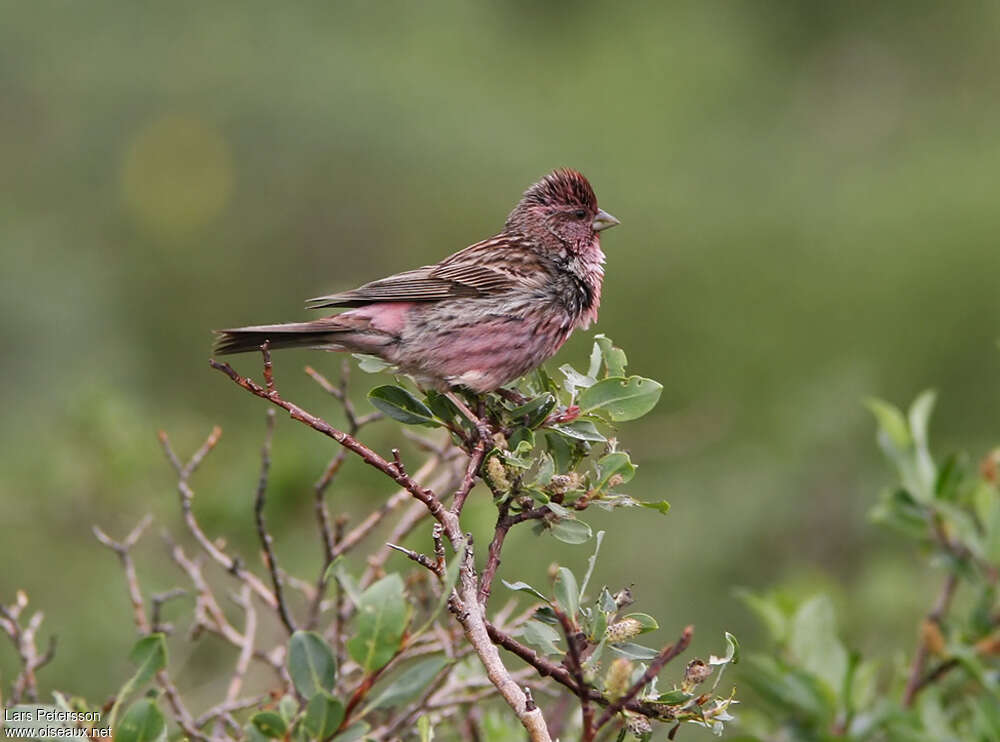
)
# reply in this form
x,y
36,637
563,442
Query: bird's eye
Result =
x,y
580,214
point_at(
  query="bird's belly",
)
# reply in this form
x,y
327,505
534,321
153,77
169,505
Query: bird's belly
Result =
x,y
481,348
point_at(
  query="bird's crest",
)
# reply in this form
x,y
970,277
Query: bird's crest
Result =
x,y
564,187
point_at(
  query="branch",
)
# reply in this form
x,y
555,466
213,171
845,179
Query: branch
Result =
x,y
548,669
23,638
470,614
266,542
665,655
181,714
428,498
232,564
131,580
575,663
916,680
246,651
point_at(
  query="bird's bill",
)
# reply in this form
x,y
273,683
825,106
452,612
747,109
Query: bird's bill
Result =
x,y
604,220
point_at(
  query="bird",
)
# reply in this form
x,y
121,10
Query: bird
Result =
x,y
482,317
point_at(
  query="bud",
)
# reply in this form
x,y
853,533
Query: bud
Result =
x,y
696,673
559,484
623,630
989,467
615,480
933,638
618,679
637,725
623,598
497,474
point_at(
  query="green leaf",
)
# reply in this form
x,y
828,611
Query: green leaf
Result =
x,y
813,640
546,468
269,724
647,622
524,587
591,562
541,636
617,463
288,707
571,531
521,442
143,722
253,734
410,683
674,697
150,654
382,616
620,399
402,406
581,430
535,411
732,652
574,379
614,357
311,664
425,728
634,651
371,364
354,732
661,506
567,592
919,416
891,422
323,717
769,612
347,583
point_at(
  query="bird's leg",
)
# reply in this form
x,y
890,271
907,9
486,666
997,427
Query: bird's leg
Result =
x,y
479,423
512,395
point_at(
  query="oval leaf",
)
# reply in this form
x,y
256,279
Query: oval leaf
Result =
x,y
143,722
402,406
647,622
150,654
410,683
324,713
581,430
620,399
382,617
571,531
269,724
311,664
524,587
567,592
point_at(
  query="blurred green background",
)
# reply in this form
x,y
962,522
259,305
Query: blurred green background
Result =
x,y
809,204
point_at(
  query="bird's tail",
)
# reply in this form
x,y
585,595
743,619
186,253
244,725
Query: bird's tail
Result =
x,y
316,334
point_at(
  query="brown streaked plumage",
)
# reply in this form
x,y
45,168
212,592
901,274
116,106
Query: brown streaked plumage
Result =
x,y
481,317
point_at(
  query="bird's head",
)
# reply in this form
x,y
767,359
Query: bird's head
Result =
x,y
562,204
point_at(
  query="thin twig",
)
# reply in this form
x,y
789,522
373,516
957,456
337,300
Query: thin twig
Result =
x,y
573,639
427,497
665,655
266,541
246,651
916,681
233,565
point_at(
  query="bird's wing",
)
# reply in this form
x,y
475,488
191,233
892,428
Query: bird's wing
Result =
x,y
464,274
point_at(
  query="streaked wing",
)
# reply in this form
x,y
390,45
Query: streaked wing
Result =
x,y
464,274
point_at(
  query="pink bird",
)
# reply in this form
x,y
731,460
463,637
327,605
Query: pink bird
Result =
x,y
480,318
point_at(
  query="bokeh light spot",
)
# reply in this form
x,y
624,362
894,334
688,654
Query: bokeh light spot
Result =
x,y
177,174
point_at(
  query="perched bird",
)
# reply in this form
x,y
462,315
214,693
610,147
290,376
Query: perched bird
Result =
x,y
480,318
